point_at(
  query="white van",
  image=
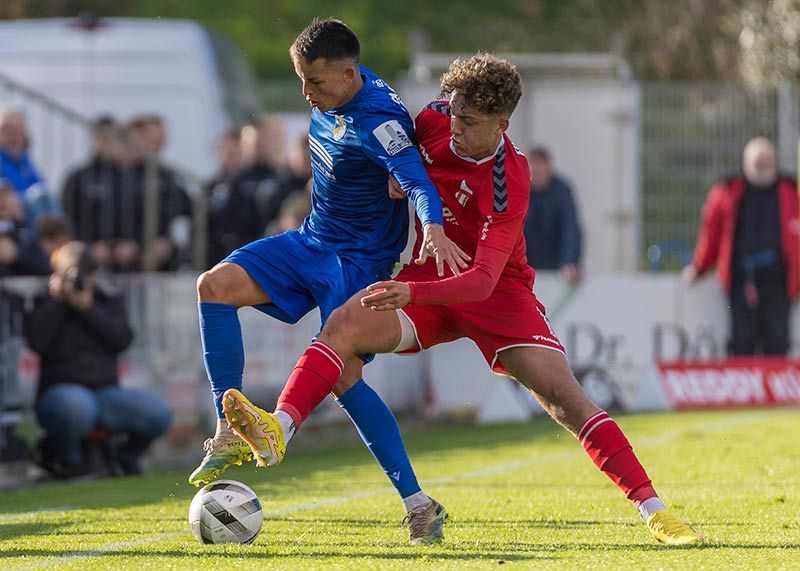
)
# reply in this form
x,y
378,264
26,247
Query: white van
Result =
x,y
197,81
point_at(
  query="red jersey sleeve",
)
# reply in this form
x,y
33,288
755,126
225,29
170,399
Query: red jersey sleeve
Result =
x,y
502,228
476,284
433,116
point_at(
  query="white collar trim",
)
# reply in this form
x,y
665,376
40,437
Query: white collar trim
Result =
x,y
500,145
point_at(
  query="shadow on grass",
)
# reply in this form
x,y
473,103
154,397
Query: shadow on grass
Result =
x,y
322,553
120,493
485,551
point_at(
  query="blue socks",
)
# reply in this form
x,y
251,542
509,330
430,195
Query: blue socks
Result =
x,y
223,349
378,429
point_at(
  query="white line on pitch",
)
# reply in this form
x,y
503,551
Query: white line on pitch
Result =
x,y
499,468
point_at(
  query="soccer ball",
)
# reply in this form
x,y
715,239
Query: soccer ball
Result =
x,y
225,511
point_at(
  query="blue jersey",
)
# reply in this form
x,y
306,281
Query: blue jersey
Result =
x,y
353,150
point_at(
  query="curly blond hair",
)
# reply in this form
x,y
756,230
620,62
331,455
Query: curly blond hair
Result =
x,y
487,83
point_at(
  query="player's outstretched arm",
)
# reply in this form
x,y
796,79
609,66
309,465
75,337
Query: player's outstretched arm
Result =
x,y
476,284
434,241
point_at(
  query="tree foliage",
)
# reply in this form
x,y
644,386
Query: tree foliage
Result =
x,y
751,40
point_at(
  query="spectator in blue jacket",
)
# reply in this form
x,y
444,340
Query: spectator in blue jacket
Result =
x,y
17,168
552,231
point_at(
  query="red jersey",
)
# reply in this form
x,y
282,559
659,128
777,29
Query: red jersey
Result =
x,y
485,202
485,205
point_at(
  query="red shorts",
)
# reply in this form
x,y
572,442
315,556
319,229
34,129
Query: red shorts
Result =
x,y
510,317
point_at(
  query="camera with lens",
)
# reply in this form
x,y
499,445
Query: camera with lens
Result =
x,y
75,276
75,262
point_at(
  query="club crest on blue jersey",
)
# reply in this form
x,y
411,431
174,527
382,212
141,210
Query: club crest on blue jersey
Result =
x,y
339,128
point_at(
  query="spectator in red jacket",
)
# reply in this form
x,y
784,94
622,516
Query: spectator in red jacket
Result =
x,y
751,232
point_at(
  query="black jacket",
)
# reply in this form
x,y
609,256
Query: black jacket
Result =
x,y
31,261
552,231
79,347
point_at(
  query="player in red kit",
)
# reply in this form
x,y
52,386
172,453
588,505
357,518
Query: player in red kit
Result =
x,y
484,184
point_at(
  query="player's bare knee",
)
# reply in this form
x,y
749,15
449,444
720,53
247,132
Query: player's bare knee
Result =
x,y
207,287
561,395
214,285
342,325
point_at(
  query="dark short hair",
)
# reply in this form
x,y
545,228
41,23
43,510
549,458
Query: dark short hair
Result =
x,y
53,226
329,39
541,153
104,122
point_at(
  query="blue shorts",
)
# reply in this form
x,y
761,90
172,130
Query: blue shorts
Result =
x,y
299,273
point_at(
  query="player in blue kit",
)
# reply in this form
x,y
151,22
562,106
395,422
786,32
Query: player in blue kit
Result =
x,y
360,133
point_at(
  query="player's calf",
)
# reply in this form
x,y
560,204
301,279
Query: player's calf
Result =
x,y
547,373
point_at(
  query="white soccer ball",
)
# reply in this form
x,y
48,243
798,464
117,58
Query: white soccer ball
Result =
x,y
225,511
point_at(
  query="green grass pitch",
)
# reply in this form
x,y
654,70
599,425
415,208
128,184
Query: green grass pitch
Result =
x,y
520,496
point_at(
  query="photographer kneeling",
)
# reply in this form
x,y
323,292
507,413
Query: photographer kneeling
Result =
x,y
78,329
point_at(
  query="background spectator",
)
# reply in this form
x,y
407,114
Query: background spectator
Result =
x,y
552,231
146,135
749,231
298,167
297,189
292,213
78,328
19,252
18,169
225,208
92,191
263,178
53,231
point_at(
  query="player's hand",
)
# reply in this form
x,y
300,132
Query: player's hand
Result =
x,y
689,274
55,286
386,296
395,191
569,273
436,244
80,299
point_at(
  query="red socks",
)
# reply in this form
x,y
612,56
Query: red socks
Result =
x,y
612,453
312,379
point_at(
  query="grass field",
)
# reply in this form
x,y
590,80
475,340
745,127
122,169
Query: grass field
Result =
x,y
519,496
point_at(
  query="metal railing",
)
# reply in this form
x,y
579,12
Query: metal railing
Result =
x,y
693,135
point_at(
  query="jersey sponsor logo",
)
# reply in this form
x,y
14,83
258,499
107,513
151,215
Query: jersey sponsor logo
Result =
x,y
425,155
392,137
464,193
485,229
449,216
339,128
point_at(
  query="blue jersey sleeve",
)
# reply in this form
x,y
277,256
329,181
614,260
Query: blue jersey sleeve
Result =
x,y
386,139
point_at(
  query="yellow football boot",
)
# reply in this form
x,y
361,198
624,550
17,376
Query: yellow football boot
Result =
x,y
222,451
259,428
666,528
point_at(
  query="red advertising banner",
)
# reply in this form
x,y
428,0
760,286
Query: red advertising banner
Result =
x,y
739,382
